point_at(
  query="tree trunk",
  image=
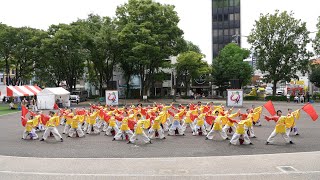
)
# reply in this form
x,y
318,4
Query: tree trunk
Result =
x,y
7,71
274,88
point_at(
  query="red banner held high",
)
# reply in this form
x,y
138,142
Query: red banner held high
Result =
x,y
308,108
269,106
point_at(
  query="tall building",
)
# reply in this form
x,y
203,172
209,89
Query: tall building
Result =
x,y
226,26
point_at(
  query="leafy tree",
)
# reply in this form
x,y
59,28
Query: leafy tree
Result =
x,y
229,65
7,45
28,41
101,41
64,55
316,41
190,65
148,34
314,75
279,42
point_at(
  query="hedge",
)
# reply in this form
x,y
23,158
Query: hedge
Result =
x,y
276,98
250,98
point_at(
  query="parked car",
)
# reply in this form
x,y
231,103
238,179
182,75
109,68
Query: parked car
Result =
x,y
279,92
83,95
74,98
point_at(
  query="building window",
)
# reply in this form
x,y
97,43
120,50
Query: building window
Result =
x,y
237,16
225,17
220,17
236,2
215,33
231,32
226,32
231,17
237,31
220,32
231,3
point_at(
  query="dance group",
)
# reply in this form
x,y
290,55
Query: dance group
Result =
x,y
146,123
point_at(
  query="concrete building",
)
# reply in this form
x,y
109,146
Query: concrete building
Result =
x,y
226,24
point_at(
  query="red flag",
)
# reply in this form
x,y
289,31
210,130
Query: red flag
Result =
x,y
209,119
23,121
144,111
308,108
55,106
131,124
171,113
193,117
206,109
106,117
24,111
192,107
269,106
44,119
273,118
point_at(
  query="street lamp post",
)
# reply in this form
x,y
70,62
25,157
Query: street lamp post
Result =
x,y
174,85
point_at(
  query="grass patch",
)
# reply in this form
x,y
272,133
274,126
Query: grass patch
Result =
x,y
4,109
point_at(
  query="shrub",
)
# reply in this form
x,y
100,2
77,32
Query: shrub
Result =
x,y
276,98
250,98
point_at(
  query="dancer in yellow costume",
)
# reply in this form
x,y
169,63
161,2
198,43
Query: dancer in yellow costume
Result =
x,y
156,129
67,126
51,127
139,132
124,130
291,123
199,125
176,125
240,133
187,120
217,128
75,126
279,129
30,129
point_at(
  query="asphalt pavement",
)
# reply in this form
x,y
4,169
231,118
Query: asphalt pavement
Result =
x,y
100,146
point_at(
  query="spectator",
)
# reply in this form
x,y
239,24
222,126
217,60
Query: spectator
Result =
x,y
288,97
301,98
308,96
296,99
12,105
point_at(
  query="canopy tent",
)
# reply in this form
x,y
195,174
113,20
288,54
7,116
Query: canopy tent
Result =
x,y
14,91
48,96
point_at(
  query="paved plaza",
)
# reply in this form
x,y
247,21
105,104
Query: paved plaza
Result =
x,y
173,157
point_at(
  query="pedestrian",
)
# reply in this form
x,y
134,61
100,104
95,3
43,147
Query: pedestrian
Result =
x,y
308,96
288,98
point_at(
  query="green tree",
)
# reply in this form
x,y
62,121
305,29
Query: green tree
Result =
x,y
100,38
148,34
314,75
190,65
25,54
279,42
7,44
64,55
316,41
229,65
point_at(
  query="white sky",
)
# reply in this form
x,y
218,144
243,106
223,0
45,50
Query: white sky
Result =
x,y
195,15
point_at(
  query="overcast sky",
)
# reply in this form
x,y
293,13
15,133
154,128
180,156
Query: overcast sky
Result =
x,y
195,15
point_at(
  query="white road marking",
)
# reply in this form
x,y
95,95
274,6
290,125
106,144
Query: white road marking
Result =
x,y
9,113
152,175
281,168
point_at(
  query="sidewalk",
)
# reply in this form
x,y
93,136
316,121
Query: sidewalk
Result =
x,y
267,166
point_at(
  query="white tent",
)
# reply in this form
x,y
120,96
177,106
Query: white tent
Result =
x,y
48,96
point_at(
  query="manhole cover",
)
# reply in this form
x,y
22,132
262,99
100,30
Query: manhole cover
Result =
x,y
287,169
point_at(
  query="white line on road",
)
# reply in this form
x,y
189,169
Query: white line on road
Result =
x,y
170,175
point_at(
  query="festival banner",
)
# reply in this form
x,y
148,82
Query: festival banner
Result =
x,y
235,97
112,98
